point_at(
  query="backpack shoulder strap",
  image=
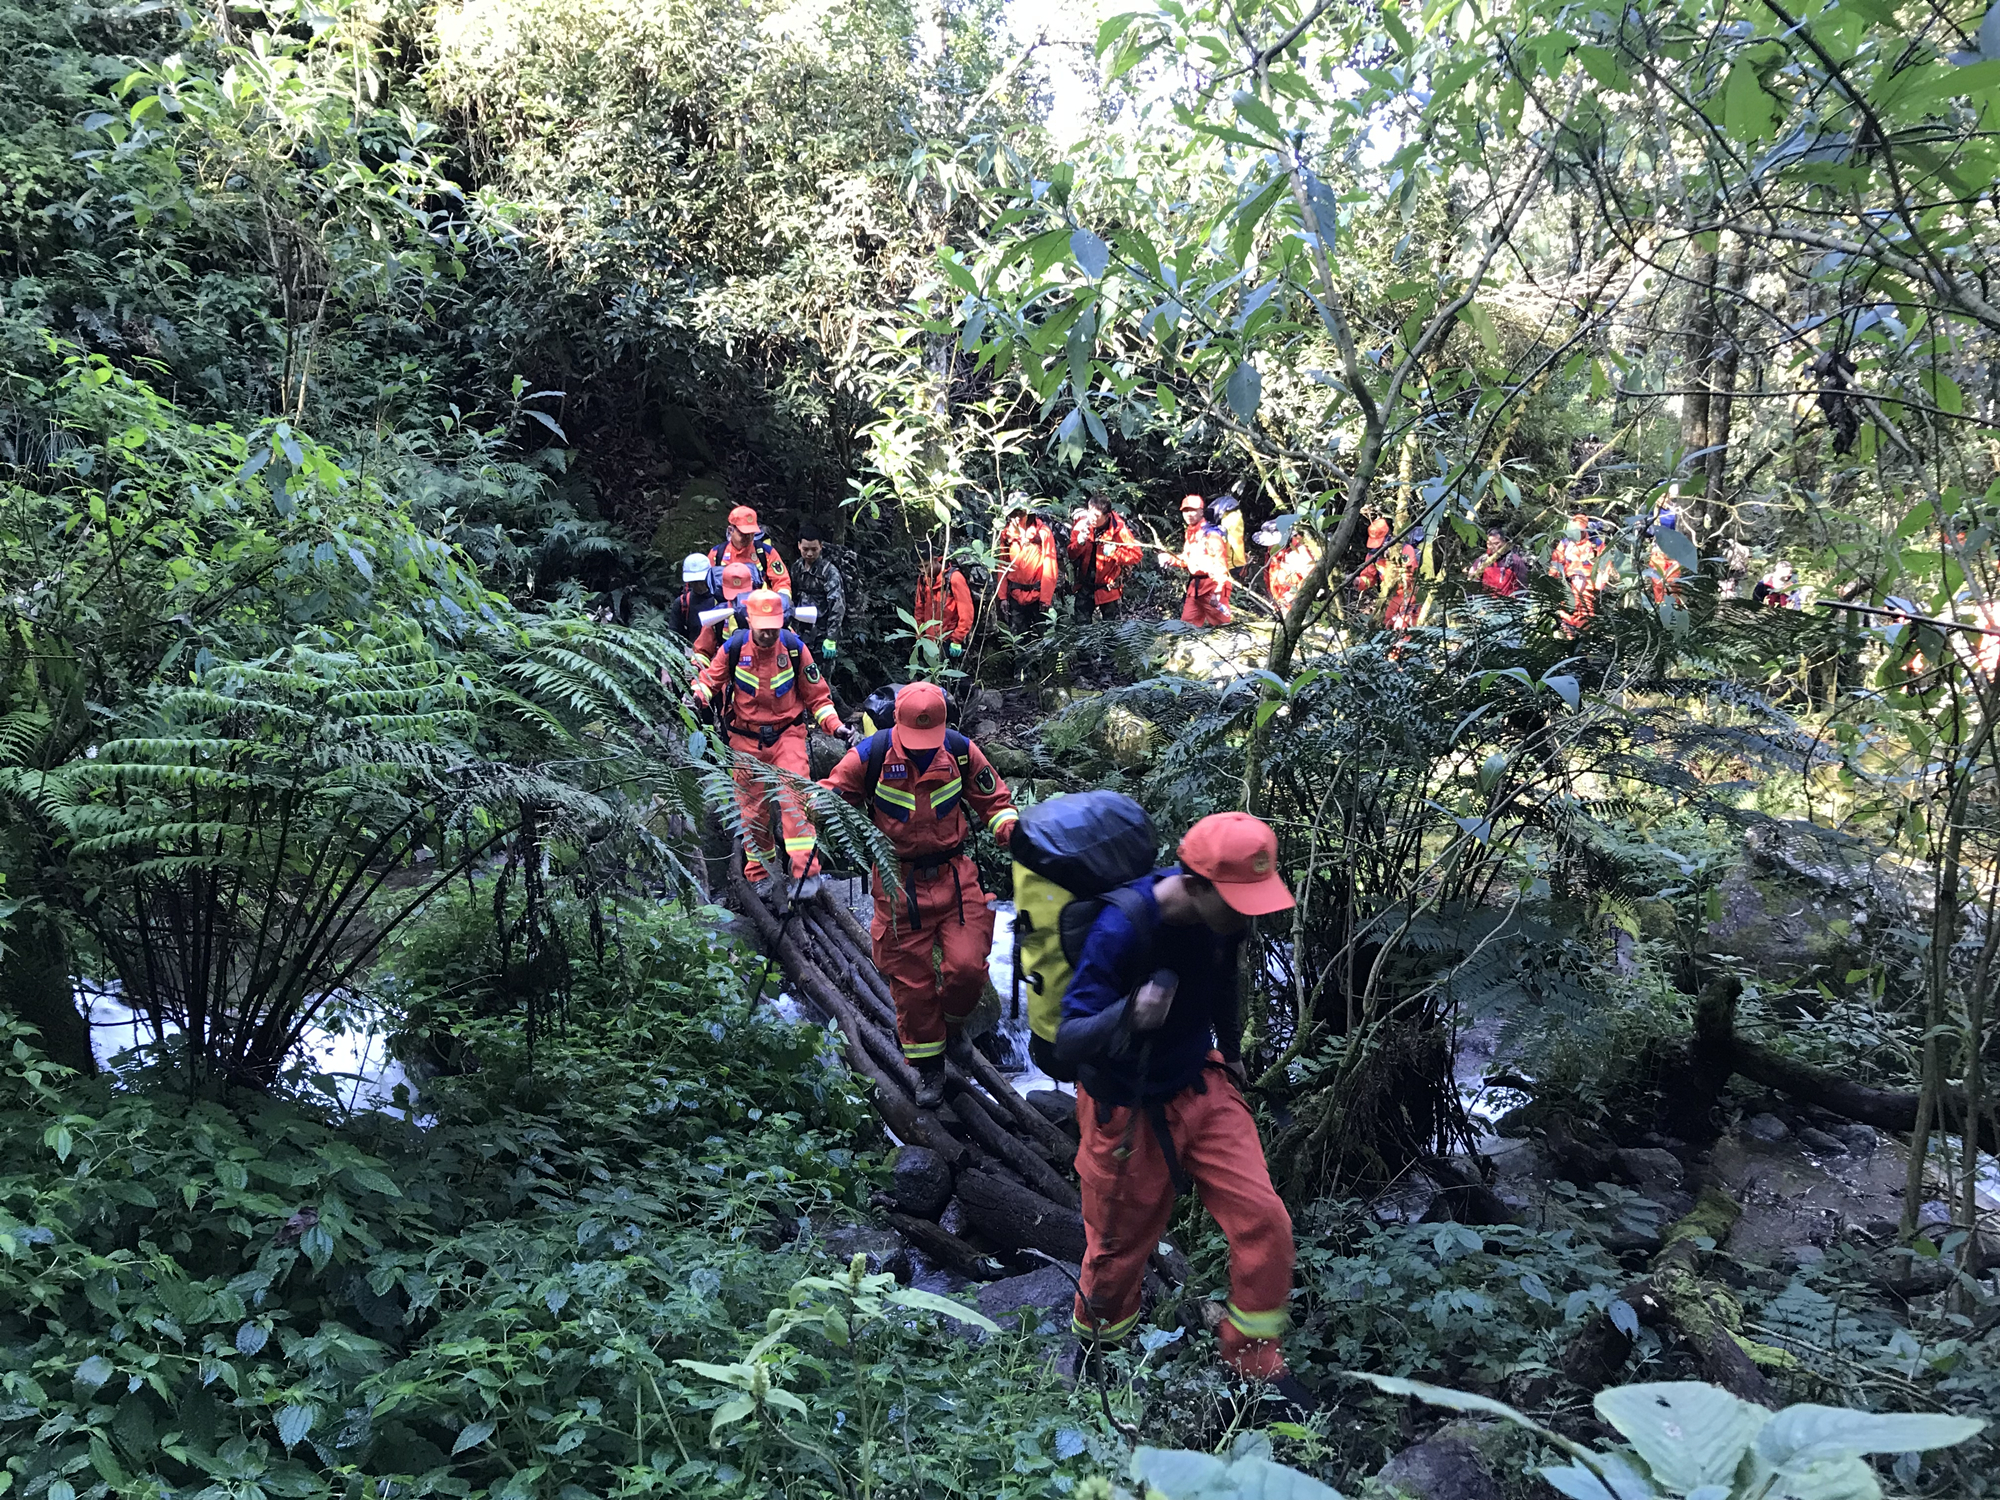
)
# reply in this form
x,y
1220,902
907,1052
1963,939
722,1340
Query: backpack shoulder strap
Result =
x,y
1137,910
959,748
878,753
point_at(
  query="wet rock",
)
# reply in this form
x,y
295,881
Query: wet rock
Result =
x,y
1647,1167
1048,1289
1008,760
1445,1467
1055,1106
1859,1139
984,729
1767,1128
920,1182
1125,736
1821,1143
884,1248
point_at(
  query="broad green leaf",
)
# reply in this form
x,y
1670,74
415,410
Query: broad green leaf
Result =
x,y
1112,28
736,1375
1806,1434
1674,542
731,1411
93,1372
1179,1472
1258,115
1688,1432
1747,110
1245,390
1092,255
1830,1479
922,1301
294,1422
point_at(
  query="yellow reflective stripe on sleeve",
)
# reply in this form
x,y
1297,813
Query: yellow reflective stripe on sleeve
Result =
x,y
1105,1334
1259,1325
915,1051
1000,819
826,714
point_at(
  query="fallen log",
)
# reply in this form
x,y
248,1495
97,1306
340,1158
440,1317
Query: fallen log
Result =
x,y
1673,1297
975,1112
893,1097
1886,1109
1016,1218
946,1249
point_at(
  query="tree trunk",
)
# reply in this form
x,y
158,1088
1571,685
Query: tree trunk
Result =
x,y
37,986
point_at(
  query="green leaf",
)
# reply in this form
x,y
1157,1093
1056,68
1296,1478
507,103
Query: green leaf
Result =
x,y
734,1375
471,1436
1245,390
730,1412
1806,1434
1688,1432
93,1372
1566,688
1112,28
1179,1472
1674,542
251,1337
1747,110
1481,322
922,1301
294,1422
1091,254
1258,115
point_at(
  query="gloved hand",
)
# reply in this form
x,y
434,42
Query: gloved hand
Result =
x,y
828,649
956,650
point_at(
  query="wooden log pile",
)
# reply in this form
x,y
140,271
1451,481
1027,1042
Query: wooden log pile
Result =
x,y
1012,1168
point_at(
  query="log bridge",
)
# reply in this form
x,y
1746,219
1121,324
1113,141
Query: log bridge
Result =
x,y
1012,1169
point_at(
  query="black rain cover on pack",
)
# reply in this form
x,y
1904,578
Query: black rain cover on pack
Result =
x,y
1088,842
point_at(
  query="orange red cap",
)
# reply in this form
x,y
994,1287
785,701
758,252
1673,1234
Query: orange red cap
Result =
x,y
737,580
920,712
1239,855
765,607
1378,531
743,518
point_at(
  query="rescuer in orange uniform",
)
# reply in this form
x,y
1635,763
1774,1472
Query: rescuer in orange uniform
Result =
x,y
1026,555
763,687
1292,559
1150,1023
747,544
944,605
915,779
1574,561
1104,550
737,580
1205,558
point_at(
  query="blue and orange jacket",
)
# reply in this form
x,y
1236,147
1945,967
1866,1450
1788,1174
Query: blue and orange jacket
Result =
x,y
776,687
923,810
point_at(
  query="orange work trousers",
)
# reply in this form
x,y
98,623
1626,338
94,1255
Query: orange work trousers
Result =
x,y
1128,1195
758,805
1207,601
934,959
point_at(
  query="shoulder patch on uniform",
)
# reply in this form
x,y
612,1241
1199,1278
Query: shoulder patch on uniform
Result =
x,y
984,780
812,671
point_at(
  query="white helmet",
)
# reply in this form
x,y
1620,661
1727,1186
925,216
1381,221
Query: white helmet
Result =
x,y
695,567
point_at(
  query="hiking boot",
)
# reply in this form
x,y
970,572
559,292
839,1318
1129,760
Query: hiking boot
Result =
x,y
958,1046
1082,1360
1286,1400
930,1082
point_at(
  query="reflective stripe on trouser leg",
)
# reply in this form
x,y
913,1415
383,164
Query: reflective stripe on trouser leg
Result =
x,y
753,809
902,954
1127,1199
1216,1140
790,753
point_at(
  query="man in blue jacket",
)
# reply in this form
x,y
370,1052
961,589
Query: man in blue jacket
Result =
x,y
1150,1025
